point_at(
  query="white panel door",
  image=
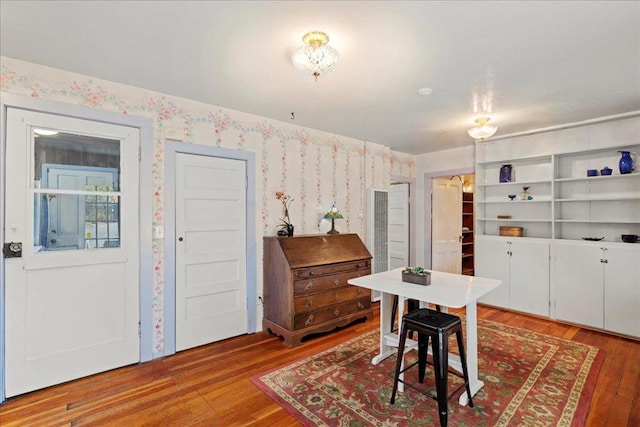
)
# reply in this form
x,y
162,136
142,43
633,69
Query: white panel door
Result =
x,y
622,290
493,261
578,284
446,225
529,277
211,281
399,225
71,311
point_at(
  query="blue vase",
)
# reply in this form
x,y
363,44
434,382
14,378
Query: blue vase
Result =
x,y
626,162
506,173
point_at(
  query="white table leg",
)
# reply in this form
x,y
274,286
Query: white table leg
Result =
x,y
386,300
471,348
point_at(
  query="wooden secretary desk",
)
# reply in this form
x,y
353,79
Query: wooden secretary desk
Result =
x,y
305,284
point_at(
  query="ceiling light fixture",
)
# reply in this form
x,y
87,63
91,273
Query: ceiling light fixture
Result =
x,y
482,130
45,132
316,56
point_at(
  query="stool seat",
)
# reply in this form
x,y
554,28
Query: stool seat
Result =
x,y
434,326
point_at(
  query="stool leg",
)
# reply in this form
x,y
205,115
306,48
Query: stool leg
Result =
x,y
440,361
403,339
463,361
423,345
394,310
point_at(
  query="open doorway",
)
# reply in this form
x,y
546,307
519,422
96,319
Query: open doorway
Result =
x,y
450,225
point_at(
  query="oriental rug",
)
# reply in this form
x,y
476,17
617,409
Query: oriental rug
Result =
x,y
530,379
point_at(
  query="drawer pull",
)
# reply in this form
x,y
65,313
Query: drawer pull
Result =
x,y
309,286
309,303
336,282
359,291
309,320
336,298
360,305
336,312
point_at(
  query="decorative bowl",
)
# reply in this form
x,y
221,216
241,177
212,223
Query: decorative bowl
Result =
x,y
592,172
606,171
512,196
629,238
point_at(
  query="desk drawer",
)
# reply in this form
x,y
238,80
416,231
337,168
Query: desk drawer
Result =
x,y
330,313
322,284
317,301
363,266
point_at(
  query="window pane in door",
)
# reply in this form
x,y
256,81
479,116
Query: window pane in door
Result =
x,y
76,192
70,151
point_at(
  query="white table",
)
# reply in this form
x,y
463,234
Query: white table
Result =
x,y
446,289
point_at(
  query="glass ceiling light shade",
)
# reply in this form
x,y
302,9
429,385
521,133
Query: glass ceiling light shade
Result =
x,y
483,130
316,56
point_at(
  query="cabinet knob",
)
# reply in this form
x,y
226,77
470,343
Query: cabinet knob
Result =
x,y
360,305
336,282
309,303
309,286
309,320
336,298
336,312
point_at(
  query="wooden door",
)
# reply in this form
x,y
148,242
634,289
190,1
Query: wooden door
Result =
x,y
211,280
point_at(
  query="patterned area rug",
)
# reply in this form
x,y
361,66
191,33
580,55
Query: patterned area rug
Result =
x,y
530,379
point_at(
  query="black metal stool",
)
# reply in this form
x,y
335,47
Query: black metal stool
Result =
x,y
437,326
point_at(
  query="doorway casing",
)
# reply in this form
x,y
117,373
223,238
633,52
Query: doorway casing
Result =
x,y
172,148
145,126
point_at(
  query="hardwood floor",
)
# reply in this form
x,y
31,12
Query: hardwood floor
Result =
x,y
210,385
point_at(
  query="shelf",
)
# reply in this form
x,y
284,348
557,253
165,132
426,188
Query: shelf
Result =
x,y
599,199
599,178
538,159
518,183
599,221
514,220
488,202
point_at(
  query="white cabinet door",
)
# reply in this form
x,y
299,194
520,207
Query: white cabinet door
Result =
x,y
622,290
579,285
492,261
529,277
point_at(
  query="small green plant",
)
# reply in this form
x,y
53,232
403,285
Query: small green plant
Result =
x,y
416,270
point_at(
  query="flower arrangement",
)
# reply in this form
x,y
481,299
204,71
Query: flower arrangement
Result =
x,y
286,201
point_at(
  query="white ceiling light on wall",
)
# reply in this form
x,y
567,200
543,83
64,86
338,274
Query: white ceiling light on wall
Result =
x,y
316,56
483,129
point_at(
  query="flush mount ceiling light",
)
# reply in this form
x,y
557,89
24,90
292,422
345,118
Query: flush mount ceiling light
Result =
x,y
316,56
482,130
45,132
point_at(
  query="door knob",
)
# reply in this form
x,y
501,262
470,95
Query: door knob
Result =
x,y
180,239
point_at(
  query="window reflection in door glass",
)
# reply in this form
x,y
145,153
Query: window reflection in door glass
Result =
x,y
73,209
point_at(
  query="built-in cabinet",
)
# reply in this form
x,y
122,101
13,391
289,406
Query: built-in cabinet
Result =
x,y
523,267
590,276
604,292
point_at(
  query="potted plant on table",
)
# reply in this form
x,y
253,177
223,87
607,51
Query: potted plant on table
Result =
x,y
417,275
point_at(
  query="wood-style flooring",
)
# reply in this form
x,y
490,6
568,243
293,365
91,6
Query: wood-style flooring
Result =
x,y
210,385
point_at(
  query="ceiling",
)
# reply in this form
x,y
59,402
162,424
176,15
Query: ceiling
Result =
x,y
530,64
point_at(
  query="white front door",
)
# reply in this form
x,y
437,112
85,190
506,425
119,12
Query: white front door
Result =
x,y
71,309
446,214
211,281
399,225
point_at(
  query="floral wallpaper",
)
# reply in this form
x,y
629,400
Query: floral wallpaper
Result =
x,y
315,168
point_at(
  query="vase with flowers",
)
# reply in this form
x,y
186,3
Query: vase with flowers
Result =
x,y
286,228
